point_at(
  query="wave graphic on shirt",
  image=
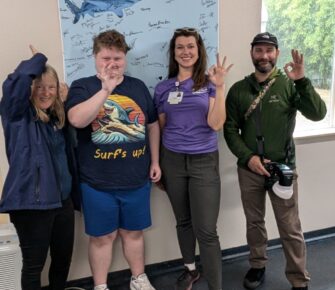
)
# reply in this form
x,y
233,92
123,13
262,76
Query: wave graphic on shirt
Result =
x,y
91,7
120,121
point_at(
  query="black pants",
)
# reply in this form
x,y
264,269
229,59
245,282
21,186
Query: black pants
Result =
x,y
192,182
39,230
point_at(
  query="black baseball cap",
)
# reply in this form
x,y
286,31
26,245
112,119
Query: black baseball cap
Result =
x,y
265,37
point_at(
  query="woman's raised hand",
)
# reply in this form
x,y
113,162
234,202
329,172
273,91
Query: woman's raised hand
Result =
x,y
218,72
33,49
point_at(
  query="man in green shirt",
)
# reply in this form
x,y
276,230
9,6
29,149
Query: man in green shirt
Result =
x,y
261,112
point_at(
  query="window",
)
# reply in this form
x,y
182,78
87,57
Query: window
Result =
x,y
309,26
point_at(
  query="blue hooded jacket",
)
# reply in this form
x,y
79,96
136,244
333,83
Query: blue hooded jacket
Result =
x,y
31,182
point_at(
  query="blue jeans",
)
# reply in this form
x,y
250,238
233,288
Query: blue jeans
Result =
x,y
39,230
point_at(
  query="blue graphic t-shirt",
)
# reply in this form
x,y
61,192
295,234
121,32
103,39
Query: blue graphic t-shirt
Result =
x,y
113,151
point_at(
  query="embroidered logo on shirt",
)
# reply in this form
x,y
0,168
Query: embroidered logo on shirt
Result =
x,y
274,99
203,90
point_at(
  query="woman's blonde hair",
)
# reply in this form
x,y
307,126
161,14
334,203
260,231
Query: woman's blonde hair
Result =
x,y
57,107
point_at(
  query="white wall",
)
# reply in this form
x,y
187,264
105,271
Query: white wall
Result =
x,y
36,22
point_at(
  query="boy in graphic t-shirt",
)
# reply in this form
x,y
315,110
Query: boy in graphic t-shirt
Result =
x,y
118,144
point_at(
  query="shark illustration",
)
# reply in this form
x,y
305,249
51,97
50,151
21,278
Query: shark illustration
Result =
x,y
91,7
116,127
117,114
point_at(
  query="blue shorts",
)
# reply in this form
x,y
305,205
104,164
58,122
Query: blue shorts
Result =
x,y
105,212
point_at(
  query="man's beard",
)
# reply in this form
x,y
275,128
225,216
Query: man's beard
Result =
x,y
264,69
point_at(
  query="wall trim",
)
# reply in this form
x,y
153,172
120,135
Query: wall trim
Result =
x,y
121,277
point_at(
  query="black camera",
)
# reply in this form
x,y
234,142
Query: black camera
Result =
x,y
278,172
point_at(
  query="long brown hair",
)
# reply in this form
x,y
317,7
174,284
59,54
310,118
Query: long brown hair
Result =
x,y
57,108
199,76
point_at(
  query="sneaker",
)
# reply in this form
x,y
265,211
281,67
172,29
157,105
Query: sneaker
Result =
x,y
300,288
254,278
141,282
187,279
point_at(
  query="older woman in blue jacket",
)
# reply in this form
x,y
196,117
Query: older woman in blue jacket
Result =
x,y
36,192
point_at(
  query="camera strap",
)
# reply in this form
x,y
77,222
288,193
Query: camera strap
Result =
x,y
256,110
255,103
259,135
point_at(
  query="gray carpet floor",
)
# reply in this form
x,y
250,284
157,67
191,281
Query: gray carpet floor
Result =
x,y
321,266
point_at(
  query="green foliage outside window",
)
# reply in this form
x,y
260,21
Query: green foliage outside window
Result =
x,y
309,26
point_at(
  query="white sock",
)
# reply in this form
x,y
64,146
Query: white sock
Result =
x,y
100,287
135,277
191,267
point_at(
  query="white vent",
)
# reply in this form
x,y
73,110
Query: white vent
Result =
x,y
10,258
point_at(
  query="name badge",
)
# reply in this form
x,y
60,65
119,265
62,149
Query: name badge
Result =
x,y
175,97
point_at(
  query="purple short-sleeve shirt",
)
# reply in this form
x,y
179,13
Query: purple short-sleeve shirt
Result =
x,y
186,129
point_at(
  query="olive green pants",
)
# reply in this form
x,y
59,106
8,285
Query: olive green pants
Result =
x,y
192,182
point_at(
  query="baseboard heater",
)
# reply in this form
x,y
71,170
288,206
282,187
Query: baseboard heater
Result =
x,y
10,258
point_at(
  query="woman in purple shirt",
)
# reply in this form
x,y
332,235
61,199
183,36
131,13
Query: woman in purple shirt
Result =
x,y
191,108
